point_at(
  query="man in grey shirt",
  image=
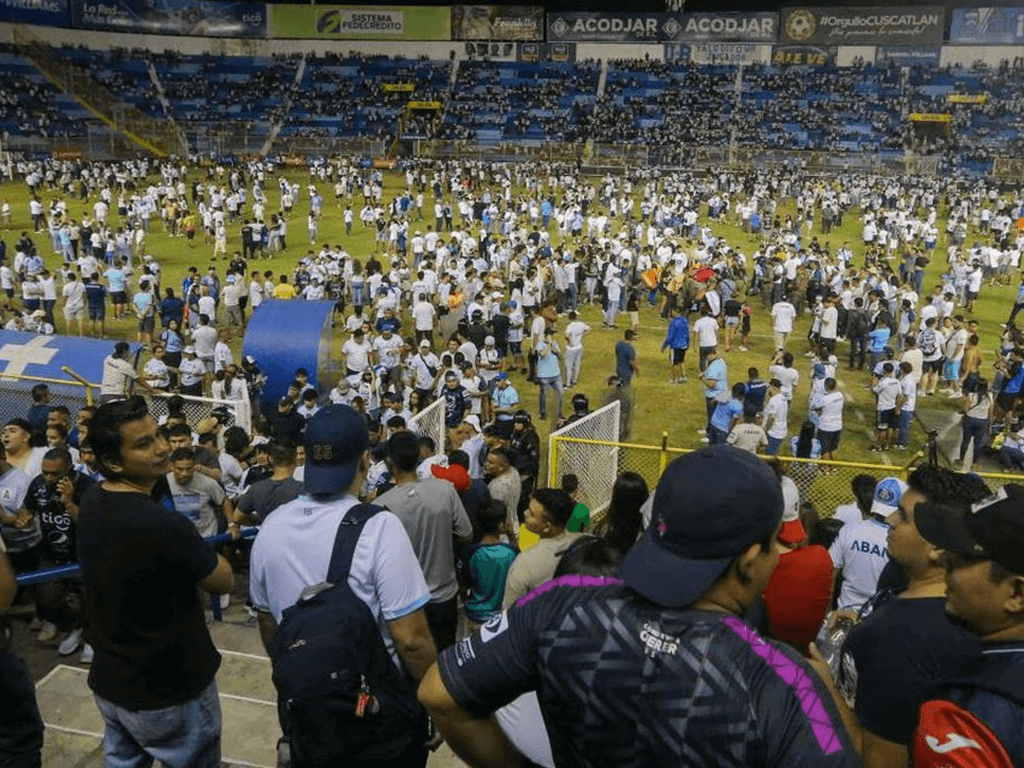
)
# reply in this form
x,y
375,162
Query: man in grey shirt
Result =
x,y
264,496
434,517
505,485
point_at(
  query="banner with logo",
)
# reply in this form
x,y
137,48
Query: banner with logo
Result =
x,y
346,22
907,56
497,22
677,52
881,25
730,27
614,27
534,52
729,53
987,26
172,17
931,117
809,55
46,13
967,98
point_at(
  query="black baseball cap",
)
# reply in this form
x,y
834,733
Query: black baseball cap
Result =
x,y
992,529
336,437
710,506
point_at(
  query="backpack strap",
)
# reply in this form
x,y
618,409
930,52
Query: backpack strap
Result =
x,y
349,531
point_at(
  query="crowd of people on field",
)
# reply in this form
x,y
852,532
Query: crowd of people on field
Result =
x,y
490,286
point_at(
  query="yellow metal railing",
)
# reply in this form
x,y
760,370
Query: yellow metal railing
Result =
x,y
825,484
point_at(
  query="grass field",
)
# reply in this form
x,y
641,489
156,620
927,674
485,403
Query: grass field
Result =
x,y
661,407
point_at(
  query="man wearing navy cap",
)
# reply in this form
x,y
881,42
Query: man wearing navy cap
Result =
x,y
656,667
977,721
293,550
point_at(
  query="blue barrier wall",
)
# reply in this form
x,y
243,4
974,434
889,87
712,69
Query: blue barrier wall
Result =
x,y
285,335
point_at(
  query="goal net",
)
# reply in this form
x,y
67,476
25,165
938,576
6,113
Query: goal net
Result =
x,y
430,423
589,449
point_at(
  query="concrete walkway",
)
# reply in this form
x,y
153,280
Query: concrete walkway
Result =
x,y
74,728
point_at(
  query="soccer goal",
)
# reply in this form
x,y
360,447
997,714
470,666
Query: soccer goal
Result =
x,y
588,448
430,422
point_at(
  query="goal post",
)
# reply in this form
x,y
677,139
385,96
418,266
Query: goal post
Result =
x,y
430,423
589,449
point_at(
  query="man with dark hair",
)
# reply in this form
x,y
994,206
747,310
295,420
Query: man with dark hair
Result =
x,y
52,499
154,667
505,485
547,517
196,496
39,410
264,496
433,516
975,720
286,422
119,375
616,661
625,358
206,463
902,646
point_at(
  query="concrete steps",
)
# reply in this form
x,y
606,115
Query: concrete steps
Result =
x,y
74,728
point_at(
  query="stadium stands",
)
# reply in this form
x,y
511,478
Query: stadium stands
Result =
x,y
668,108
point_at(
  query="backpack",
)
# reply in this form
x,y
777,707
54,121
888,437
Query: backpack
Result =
x,y
929,344
340,696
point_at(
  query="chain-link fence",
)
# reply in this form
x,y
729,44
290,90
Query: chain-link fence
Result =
x,y
587,448
430,423
825,484
16,396
235,413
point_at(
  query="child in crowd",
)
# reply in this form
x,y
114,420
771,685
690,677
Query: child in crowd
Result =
x,y
485,564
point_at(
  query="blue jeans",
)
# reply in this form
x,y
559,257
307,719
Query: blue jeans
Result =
x,y
978,429
555,383
1011,457
183,736
903,430
716,436
774,443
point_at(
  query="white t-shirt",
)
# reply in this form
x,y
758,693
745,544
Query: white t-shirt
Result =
x,y
887,389
788,378
782,317
908,386
829,323
777,406
293,551
74,297
831,406
860,552
389,351
357,355
423,316
706,329
116,375
848,514
574,333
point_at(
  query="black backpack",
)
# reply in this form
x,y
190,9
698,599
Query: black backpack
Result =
x,y
340,696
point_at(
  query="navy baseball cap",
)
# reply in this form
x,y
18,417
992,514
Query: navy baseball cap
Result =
x,y
336,437
710,506
992,529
